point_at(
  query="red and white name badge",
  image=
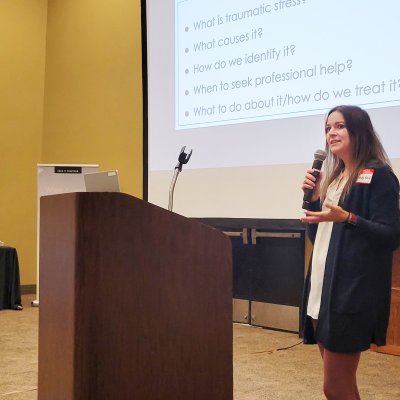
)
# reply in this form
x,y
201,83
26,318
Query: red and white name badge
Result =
x,y
365,176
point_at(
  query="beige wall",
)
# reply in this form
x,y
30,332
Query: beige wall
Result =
x,y
22,57
70,79
93,95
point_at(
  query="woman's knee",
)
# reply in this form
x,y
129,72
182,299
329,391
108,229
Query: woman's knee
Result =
x,y
340,375
332,392
335,391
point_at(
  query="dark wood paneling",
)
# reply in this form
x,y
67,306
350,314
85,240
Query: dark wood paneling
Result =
x,y
393,333
148,310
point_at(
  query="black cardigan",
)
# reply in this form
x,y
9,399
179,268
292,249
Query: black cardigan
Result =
x,y
355,301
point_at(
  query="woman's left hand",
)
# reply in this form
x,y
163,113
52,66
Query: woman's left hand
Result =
x,y
333,213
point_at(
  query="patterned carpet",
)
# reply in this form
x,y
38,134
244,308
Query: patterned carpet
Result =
x,y
268,365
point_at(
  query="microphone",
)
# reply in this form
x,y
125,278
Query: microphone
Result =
x,y
319,157
183,158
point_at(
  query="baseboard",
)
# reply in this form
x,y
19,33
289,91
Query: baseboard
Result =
x,y
28,289
241,311
276,316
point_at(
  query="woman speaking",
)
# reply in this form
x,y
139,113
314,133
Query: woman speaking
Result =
x,y
353,223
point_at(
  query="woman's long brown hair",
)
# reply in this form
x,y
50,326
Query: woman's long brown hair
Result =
x,y
365,145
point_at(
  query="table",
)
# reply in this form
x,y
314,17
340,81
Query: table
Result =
x,y
268,270
10,293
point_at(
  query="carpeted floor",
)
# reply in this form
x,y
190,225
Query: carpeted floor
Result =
x,y
265,366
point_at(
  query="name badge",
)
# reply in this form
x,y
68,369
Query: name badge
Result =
x,y
365,176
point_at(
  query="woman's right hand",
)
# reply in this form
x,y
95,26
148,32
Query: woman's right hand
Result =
x,y
310,182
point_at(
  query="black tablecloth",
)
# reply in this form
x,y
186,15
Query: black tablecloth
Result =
x,y
10,293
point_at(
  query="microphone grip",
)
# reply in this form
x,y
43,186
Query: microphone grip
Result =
x,y
308,193
317,164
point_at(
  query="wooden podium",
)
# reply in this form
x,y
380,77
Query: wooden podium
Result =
x,y
135,302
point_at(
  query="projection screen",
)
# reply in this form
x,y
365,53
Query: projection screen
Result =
x,y
247,86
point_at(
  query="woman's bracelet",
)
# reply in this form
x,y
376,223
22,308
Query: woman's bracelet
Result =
x,y
351,219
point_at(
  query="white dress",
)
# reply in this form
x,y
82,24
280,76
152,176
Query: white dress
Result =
x,y
321,246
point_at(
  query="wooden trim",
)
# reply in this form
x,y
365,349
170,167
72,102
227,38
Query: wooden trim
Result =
x,y
28,289
393,332
389,349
